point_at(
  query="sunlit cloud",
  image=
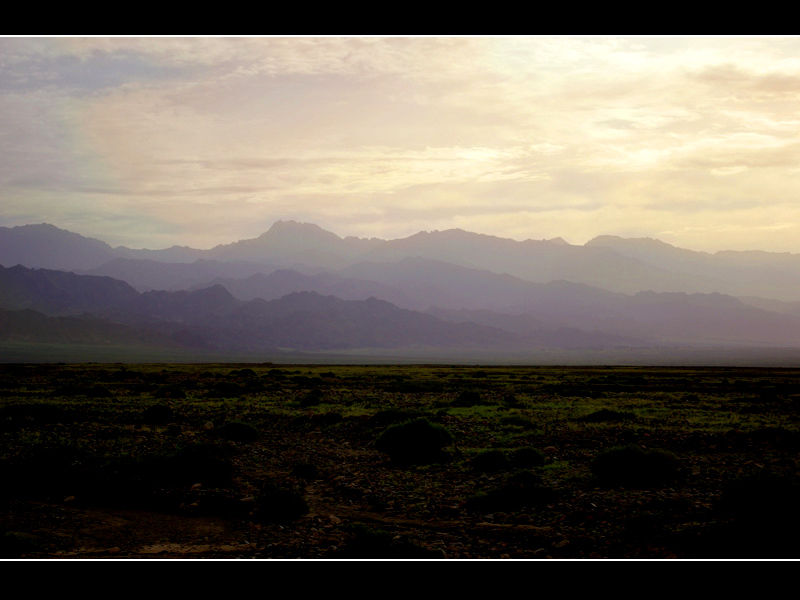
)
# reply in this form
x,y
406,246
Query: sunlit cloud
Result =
x,y
202,141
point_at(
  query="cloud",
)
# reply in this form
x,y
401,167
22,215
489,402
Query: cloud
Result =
x,y
515,136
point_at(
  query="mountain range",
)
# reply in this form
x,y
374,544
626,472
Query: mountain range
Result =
x,y
298,287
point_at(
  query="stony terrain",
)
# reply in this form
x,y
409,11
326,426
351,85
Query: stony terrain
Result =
x,y
281,462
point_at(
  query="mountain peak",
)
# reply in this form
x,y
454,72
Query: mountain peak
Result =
x,y
298,228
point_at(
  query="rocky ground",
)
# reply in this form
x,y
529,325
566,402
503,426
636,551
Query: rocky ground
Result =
x,y
94,476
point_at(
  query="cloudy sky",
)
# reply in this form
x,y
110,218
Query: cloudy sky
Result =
x,y
150,142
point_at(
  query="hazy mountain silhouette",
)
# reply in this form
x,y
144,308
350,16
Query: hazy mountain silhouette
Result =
x,y
213,317
298,286
45,246
557,314
739,273
30,326
608,262
281,282
537,331
62,293
147,274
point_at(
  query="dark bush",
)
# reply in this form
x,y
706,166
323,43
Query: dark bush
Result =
x,y
607,415
490,461
762,497
236,431
397,415
42,412
468,398
312,399
522,489
225,389
201,463
414,442
527,457
758,519
90,391
243,373
158,414
517,421
170,391
15,544
782,438
317,420
279,505
305,470
633,466
374,543
58,470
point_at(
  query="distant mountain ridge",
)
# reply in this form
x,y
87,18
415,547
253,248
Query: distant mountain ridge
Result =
x,y
556,315
298,287
608,262
211,317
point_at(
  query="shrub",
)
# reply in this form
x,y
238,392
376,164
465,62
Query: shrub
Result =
x,y
397,415
522,489
169,391
15,544
511,401
305,470
606,415
375,543
760,518
201,463
633,466
279,505
60,469
158,414
527,457
414,442
311,399
468,398
225,389
236,431
490,461
762,497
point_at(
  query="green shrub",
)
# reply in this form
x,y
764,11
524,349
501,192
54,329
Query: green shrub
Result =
x,y
305,470
397,415
236,431
607,415
279,505
14,544
517,421
201,463
313,398
490,461
633,466
414,442
225,389
170,391
522,489
527,457
759,519
762,497
467,399
370,543
158,414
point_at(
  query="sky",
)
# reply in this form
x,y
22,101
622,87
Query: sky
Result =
x,y
200,141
